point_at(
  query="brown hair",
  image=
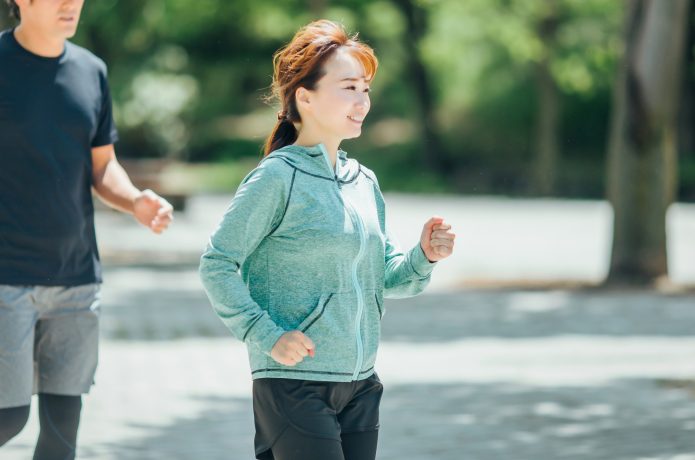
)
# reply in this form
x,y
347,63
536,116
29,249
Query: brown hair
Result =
x,y
300,65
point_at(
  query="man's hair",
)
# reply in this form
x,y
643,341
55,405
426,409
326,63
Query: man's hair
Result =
x,y
14,9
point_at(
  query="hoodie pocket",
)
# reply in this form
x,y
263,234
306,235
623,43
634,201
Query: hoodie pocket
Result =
x,y
331,326
316,313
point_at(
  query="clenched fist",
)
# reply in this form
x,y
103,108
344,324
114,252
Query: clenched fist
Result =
x,y
292,348
437,239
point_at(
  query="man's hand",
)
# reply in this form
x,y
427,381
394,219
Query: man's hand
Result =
x,y
292,348
437,241
153,211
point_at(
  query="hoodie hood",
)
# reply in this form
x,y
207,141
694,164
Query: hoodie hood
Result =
x,y
315,161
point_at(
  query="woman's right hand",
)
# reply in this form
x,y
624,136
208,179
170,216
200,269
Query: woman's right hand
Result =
x,y
292,348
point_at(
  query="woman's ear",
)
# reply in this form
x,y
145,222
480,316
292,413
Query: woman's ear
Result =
x,y
303,98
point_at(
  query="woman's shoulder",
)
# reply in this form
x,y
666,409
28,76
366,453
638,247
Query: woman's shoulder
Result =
x,y
270,169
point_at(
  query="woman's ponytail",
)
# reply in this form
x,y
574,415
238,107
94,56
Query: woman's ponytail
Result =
x,y
283,134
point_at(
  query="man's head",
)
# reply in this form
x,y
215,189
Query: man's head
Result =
x,y
54,18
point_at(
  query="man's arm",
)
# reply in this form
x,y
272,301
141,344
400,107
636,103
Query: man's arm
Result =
x,y
113,186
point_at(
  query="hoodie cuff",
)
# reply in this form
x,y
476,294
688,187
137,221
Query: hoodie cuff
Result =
x,y
419,262
267,336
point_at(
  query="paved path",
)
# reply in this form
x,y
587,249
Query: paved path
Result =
x,y
486,375
469,374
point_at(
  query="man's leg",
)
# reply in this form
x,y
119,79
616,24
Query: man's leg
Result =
x,y
12,420
67,339
17,325
59,417
66,345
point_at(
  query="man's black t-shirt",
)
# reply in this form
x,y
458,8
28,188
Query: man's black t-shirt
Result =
x,y
53,111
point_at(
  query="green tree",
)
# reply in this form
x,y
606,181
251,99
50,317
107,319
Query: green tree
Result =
x,y
434,154
474,89
522,87
546,144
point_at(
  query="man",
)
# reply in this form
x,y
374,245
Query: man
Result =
x,y
56,144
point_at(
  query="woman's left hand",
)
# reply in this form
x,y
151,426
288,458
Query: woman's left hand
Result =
x,y
437,239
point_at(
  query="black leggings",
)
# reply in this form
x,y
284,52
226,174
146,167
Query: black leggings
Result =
x,y
12,421
293,445
59,417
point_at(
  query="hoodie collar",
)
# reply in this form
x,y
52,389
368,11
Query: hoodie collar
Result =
x,y
315,161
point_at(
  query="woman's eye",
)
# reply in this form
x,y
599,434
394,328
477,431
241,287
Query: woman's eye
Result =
x,y
354,88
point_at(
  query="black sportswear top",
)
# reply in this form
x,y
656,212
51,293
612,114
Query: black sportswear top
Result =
x,y
53,111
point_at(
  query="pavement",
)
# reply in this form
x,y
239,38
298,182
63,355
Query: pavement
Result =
x,y
469,373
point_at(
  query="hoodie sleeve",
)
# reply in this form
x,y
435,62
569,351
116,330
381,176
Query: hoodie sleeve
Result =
x,y
406,273
256,209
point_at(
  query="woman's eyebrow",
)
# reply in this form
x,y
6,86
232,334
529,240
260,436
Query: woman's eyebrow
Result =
x,y
353,79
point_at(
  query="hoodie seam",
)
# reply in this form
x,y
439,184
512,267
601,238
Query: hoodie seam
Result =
x,y
309,371
368,177
332,179
303,171
287,204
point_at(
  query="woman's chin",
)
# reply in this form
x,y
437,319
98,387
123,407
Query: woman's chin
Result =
x,y
353,134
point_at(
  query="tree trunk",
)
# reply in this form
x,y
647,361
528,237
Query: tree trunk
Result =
x,y
433,153
546,143
686,117
642,157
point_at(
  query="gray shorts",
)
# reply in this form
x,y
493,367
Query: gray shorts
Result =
x,y
48,341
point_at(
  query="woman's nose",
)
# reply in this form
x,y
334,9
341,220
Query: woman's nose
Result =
x,y
363,101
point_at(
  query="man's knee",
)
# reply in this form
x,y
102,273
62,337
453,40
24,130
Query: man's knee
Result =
x,y
12,420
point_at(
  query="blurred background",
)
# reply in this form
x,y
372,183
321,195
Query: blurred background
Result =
x,y
555,135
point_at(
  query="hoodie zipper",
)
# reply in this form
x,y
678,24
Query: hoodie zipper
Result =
x,y
357,220
358,290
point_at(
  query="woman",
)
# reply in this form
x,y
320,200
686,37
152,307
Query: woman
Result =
x,y
306,229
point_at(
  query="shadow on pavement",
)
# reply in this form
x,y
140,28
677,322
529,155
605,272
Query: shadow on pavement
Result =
x,y
627,420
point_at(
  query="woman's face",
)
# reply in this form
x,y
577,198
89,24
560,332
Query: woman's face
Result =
x,y
340,102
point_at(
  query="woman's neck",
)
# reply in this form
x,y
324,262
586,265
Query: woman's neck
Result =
x,y
307,139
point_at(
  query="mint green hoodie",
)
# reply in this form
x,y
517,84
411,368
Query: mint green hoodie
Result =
x,y
303,246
